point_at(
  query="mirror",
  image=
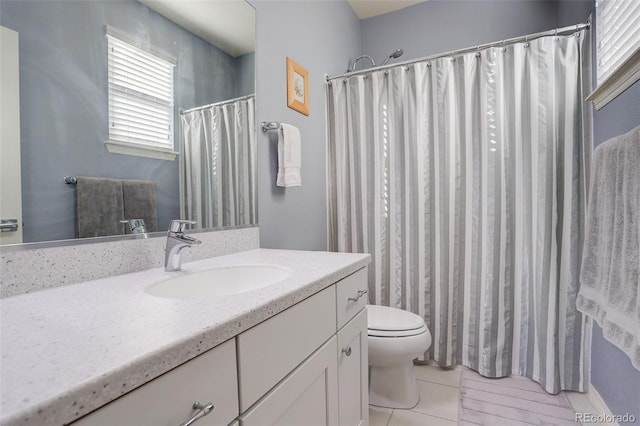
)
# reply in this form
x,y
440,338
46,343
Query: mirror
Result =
x,y
64,118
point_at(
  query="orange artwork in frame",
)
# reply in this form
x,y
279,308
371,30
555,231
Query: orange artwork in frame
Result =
x,y
297,87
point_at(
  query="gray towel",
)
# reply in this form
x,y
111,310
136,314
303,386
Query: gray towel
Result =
x,y
99,207
140,202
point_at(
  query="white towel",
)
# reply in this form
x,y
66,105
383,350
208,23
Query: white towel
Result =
x,y
289,156
610,276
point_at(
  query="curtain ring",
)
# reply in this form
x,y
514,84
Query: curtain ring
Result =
x,y
428,64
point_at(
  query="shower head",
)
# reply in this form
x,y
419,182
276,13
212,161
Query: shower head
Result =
x,y
396,54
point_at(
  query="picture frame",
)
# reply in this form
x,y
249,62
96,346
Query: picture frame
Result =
x,y
297,87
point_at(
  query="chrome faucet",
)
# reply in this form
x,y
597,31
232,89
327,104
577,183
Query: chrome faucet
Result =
x,y
176,241
136,226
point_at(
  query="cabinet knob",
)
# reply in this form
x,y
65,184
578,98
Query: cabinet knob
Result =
x,y
347,351
203,410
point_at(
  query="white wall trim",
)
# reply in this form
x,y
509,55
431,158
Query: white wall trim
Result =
x,y
140,150
627,74
599,404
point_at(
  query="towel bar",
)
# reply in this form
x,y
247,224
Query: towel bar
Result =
x,y
270,125
70,180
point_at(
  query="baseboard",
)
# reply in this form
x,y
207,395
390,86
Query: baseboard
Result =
x,y
599,405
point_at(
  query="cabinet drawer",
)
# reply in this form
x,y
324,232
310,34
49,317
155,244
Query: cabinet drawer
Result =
x,y
350,296
272,349
308,396
168,399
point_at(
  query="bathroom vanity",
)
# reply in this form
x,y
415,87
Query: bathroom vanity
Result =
x,y
293,352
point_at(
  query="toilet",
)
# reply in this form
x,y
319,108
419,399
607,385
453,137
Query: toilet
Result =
x,y
396,338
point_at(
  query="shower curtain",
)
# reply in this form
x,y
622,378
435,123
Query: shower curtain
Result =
x,y
218,155
466,179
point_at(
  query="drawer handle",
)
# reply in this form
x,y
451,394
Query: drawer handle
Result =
x,y
203,411
360,294
347,351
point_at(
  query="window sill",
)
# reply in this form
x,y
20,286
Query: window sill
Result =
x,y
627,74
139,150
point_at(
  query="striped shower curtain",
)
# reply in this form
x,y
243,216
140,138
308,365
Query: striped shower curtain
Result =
x,y
466,179
218,164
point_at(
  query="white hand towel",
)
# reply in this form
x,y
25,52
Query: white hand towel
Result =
x,y
610,277
289,156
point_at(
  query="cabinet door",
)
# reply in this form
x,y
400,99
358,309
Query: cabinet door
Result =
x,y
308,396
268,352
353,372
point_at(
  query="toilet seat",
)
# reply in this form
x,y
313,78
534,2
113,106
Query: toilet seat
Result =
x,y
397,333
384,321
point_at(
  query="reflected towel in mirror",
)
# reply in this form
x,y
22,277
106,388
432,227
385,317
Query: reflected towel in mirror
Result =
x,y
99,207
140,202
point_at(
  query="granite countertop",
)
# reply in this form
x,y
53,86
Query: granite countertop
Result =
x,y
69,350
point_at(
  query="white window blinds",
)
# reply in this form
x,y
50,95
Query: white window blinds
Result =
x,y
618,34
140,96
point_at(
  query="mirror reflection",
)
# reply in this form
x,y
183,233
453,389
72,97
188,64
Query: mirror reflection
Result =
x,y
127,114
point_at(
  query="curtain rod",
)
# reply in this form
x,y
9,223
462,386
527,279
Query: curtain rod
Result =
x,y
228,101
508,41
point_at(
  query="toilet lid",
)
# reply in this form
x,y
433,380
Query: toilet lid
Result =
x,y
384,318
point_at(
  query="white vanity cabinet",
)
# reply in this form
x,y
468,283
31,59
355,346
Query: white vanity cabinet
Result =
x,y
168,400
306,365
331,386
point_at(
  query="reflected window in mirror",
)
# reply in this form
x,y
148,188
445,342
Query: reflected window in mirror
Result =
x,y
141,99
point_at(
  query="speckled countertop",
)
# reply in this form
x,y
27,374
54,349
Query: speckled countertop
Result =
x,y
69,350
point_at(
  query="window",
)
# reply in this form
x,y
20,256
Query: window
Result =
x,y
140,101
618,48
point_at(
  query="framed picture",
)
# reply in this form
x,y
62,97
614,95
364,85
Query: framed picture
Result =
x,y
297,87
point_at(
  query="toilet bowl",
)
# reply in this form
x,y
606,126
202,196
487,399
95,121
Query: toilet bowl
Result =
x,y
396,338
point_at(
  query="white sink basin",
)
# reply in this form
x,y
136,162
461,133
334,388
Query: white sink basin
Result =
x,y
219,282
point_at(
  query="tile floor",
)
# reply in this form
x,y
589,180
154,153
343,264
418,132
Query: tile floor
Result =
x,y
440,400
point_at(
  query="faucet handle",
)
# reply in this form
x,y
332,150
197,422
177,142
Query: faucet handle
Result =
x,y
179,226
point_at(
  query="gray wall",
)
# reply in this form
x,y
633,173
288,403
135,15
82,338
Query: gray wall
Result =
x,y
320,36
63,91
439,26
246,74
